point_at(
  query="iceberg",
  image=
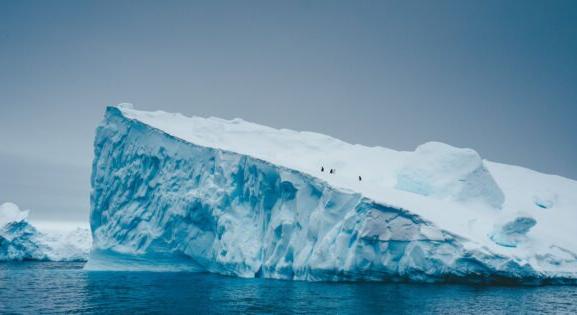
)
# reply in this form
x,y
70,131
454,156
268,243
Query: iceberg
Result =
x,y
442,171
20,240
177,193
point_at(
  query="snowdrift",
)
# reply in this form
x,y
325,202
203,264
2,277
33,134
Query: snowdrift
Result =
x,y
172,192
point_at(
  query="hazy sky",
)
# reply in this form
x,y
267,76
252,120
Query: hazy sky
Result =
x,y
497,76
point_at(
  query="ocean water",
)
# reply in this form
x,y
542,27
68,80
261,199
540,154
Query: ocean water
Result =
x,y
44,288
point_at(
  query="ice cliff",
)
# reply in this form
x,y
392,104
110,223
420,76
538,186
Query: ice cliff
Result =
x,y
172,192
20,240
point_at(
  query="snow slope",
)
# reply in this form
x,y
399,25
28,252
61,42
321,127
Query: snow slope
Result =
x,y
19,240
238,198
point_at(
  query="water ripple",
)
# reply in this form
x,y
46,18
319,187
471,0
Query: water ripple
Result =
x,y
55,288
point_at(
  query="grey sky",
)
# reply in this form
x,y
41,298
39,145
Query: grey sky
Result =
x,y
497,76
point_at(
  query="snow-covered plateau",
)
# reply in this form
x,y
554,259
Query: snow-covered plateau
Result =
x,y
20,240
171,192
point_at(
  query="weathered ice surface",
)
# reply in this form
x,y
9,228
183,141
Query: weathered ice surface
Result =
x,y
162,203
514,231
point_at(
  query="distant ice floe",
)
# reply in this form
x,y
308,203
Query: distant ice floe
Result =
x,y
20,240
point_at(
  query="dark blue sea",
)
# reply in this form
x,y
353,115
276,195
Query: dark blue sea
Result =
x,y
47,288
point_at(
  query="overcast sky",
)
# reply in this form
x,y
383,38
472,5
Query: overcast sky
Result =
x,y
497,76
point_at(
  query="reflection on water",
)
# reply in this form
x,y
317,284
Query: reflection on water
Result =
x,y
65,287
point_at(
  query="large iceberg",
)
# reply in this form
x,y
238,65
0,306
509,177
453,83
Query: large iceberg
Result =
x,y
172,192
20,240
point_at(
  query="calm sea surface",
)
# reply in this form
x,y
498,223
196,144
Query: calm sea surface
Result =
x,y
37,288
